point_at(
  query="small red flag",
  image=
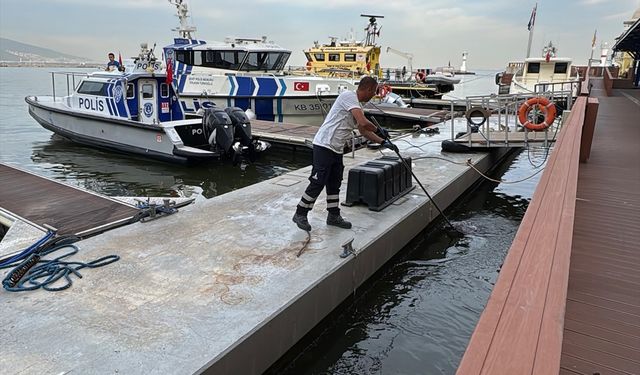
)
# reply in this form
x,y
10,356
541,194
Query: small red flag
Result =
x,y
119,58
169,71
301,86
548,57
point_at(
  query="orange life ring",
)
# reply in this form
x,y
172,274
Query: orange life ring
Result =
x,y
545,105
384,90
420,76
308,65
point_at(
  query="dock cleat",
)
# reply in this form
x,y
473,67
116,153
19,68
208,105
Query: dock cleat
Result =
x,y
338,221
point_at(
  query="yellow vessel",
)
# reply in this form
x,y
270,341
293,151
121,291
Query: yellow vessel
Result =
x,y
347,58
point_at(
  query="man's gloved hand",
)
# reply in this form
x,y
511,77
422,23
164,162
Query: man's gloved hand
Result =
x,y
382,132
387,144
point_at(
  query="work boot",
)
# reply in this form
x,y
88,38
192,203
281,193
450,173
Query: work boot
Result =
x,y
338,221
302,222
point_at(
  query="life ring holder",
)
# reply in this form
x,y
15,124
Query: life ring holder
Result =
x,y
420,76
384,90
473,112
547,107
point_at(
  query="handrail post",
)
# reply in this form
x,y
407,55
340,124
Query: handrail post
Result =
x,y
53,85
588,129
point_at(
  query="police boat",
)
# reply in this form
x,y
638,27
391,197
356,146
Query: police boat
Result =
x,y
138,112
248,73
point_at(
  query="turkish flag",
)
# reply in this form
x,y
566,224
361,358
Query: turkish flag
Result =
x,y
169,77
301,86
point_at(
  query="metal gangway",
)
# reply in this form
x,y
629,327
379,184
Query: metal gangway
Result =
x,y
492,120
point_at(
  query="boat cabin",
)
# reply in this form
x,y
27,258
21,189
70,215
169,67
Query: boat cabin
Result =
x,y
351,56
138,96
538,70
348,56
541,74
238,55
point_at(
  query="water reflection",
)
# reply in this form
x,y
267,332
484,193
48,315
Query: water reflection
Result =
x,y
115,174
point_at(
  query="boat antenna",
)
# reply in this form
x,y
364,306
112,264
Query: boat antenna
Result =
x,y
182,11
150,55
372,29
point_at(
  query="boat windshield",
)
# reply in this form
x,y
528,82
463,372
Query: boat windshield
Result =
x,y
212,59
266,61
93,88
233,59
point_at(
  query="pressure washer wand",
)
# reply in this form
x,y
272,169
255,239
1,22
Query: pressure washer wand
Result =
x,y
408,167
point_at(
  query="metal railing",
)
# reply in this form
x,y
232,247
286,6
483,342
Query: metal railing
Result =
x,y
71,83
506,108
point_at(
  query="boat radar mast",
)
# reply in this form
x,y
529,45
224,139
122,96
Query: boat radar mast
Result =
x,y
372,29
185,30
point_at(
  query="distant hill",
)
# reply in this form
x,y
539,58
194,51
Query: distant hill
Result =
x,y
12,51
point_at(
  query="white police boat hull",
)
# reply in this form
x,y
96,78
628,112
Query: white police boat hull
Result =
x,y
137,112
157,141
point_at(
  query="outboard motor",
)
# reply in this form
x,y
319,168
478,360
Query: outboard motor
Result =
x,y
219,129
241,124
244,144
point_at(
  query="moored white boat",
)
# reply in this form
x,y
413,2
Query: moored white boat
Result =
x,y
353,58
246,73
138,112
546,73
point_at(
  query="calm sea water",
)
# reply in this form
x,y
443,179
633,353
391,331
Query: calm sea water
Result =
x,y
415,316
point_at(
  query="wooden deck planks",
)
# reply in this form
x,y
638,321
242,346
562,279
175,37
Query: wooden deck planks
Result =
x,y
549,344
602,321
622,338
293,134
582,366
43,201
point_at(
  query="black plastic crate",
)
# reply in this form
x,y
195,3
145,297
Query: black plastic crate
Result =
x,y
378,183
389,178
366,184
406,180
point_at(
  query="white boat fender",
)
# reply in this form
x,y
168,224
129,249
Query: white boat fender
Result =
x,y
251,115
212,137
322,89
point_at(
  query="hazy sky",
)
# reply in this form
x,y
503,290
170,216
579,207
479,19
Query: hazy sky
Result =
x,y
434,31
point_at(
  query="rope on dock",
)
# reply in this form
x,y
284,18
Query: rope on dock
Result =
x,y
31,272
469,163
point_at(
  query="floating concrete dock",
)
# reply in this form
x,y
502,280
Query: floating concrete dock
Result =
x,y
218,287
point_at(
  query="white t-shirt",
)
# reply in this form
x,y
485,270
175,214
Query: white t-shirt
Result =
x,y
339,124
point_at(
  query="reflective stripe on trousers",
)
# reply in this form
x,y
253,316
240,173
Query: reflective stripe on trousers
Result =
x,y
326,172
